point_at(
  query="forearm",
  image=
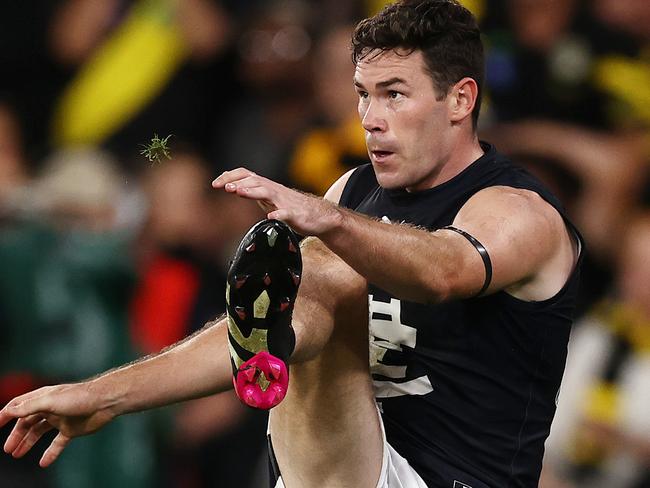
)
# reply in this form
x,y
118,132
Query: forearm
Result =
x,y
196,367
410,263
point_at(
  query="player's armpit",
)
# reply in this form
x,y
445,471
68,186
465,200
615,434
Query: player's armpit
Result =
x,y
530,248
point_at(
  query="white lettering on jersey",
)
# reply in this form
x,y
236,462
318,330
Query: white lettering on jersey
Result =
x,y
391,333
460,484
389,389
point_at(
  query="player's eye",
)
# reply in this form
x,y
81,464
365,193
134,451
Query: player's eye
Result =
x,y
363,94
393,94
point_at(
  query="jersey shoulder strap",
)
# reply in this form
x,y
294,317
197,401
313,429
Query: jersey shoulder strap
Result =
x,y
361,182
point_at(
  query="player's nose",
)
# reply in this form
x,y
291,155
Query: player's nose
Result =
x,y
372,120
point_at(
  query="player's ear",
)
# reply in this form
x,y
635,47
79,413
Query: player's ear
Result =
x,y
462,98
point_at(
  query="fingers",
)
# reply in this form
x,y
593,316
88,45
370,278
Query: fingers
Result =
x,y
278,201
27,404
242,182
253,192
283,214
15,408
5,416
56,448
19,432
31,438
32,411
231,176
246,184
254,188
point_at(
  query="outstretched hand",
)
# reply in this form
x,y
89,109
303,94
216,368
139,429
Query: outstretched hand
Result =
x,y
71,409
306,214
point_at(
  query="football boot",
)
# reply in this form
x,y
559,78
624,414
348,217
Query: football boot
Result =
x,y
261,289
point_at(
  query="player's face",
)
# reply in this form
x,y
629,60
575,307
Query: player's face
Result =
x,y
406,121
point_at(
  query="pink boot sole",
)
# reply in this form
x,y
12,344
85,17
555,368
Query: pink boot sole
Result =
x,y
262,381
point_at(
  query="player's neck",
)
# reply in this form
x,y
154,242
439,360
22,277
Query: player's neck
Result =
x,y
462,154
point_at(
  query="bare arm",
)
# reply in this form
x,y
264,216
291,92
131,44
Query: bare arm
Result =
x,y
195,367
528,243
520,231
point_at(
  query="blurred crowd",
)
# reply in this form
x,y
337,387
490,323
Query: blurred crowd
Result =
x,y
106,256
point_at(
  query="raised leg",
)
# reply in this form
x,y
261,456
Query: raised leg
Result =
x,y
326,433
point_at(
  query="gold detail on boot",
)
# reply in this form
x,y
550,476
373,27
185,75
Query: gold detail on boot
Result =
x,y
262,381
261,305
254,343
271,236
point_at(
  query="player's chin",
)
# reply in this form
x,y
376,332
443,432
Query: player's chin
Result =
x,y
389,180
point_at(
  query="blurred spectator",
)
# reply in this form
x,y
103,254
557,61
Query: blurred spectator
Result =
x,y
142,66
627,77
608,166
13,379
542,62
601,434
632,16
81,25
64,292
275,51
336,143
31,77
169,281
185,247
13,165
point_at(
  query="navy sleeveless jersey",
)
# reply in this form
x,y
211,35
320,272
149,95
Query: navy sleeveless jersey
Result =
x,y
466,386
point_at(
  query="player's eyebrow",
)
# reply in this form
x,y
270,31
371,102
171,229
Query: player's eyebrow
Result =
x,y
383,84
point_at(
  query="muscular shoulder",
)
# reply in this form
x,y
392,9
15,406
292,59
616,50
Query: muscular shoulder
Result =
x,y
508,205
527,239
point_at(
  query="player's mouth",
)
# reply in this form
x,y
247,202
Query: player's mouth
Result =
x,y
381,156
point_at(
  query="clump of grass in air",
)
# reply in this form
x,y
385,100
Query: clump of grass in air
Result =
x,y
156,149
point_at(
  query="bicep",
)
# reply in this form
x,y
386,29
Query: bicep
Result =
x,y
519,230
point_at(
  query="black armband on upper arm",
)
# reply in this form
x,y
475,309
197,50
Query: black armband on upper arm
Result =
x,y
483,253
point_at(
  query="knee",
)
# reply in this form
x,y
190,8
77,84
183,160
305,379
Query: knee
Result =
x,y
327,274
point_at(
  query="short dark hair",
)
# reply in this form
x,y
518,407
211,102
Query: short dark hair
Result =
x,y
444,31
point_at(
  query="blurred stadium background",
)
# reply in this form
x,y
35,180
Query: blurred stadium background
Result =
x,y
105,257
